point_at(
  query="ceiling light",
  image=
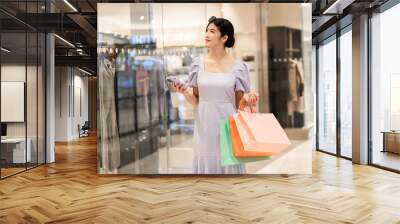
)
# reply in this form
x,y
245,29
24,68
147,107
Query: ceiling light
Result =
x,y
5,50
86,72
337,7
70,5
64,40
141,17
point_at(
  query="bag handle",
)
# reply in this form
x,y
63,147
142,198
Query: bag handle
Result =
x,y
242,106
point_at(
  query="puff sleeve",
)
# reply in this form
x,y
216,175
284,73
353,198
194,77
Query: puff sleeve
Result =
x,y
193,73
242,77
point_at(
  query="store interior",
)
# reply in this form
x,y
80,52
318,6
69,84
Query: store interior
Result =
x,y
155,125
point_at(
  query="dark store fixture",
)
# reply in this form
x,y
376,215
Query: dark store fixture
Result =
x,y
283,54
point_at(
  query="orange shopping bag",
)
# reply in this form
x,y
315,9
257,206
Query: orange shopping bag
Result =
x,y
237,145
260,132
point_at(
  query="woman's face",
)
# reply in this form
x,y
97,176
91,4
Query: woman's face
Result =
x,y
213,37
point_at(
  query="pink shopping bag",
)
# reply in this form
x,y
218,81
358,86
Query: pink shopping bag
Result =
x,y
261,132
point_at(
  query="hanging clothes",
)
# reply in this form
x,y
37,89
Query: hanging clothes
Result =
x,y
299,105
296,88
109,145
142,81
187,60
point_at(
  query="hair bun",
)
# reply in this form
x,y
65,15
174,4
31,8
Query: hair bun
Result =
x,y
230,42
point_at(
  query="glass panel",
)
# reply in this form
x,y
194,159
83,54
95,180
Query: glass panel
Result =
x,y
182,44
385,89
327,96
41,98
31,98
31,86
13,86
346,94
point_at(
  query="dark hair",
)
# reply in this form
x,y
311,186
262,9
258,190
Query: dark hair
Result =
x,y
225,27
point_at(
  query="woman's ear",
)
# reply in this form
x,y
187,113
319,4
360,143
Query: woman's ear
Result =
x,y
224,38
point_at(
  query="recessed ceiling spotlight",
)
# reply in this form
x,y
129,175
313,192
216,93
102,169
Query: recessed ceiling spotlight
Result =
x,y
141,17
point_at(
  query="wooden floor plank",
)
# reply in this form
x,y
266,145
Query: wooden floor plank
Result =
x,y
70,191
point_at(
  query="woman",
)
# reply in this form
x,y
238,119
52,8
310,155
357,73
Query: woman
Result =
x,y
217,85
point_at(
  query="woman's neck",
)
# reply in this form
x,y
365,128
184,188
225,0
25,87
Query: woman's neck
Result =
x,y
217,53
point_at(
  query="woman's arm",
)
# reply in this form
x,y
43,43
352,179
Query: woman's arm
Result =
x,y
238,98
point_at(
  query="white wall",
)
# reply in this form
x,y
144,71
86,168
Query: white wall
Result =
x,y
61,103
69,85
33,125
11,73
241,15
285,14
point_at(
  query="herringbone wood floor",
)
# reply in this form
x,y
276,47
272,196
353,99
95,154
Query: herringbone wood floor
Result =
x,y
70,191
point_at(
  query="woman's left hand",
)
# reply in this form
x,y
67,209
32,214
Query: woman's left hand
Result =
x,y
250,99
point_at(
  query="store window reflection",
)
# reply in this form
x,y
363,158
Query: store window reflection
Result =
x,y
327,96
346,93
385,89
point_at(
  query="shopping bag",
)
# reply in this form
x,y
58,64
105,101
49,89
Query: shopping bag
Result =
x,y
260,132
237,145
227,157
226,154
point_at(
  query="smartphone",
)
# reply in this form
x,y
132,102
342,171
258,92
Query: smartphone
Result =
x,y
173,81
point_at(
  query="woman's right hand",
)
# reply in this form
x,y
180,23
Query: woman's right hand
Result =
x,y
180,87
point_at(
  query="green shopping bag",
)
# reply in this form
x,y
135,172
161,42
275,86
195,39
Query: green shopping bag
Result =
x,y
227,156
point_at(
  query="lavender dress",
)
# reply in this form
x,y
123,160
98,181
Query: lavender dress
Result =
x,y
216,102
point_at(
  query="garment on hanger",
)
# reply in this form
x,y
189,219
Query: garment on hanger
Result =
x,y
296,87
109,144
174,62
142,81
187,60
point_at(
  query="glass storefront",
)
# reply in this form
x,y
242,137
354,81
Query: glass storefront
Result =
x,y
346,93
385,88
333,137
327,96
22,79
